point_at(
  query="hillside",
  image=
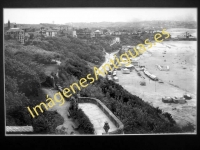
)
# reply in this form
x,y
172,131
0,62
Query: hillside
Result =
x,y
24,74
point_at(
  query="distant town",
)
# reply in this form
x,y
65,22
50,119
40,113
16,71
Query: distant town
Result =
x,y
23,32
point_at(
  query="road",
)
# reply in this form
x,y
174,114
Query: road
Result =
x,y
107,60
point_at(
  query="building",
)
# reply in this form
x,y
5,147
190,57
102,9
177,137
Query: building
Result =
x,y
92,35
98,33
51,33
115,40
74,33
16,33
20,34
42,31
48,32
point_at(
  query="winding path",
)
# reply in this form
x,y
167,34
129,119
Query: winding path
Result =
x,y
107,60
63,111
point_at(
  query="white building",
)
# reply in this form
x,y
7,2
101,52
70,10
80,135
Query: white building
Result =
x,y
74,33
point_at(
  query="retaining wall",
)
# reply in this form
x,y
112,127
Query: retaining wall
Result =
x,y
111,116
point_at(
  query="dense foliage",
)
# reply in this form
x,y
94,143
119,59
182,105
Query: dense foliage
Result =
x,y
23,77
84,123
47,122
65,45
131,40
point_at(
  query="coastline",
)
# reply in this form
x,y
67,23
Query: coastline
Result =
x,y
177,81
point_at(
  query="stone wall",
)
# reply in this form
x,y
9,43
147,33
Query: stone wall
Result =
x,y
111,116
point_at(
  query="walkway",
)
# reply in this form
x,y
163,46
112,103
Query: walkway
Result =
x,y
63,111
97,117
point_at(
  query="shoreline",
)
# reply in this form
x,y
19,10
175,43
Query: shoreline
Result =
x,y
177,81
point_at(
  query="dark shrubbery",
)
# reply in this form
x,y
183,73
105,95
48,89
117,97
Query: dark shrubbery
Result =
x,y
83,120
47,122
188,128
64,45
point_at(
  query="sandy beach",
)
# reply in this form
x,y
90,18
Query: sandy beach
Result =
x,y
181,57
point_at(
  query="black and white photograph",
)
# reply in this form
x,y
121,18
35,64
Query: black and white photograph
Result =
x,y
100,71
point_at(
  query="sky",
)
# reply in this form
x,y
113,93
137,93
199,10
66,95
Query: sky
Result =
x,y
68,15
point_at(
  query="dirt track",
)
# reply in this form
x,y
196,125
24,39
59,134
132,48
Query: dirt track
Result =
x,y
62,110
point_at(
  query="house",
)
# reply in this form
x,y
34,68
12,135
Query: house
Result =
x,y
92,34
51,32
48,32
74,34
125,71
16,33
21,36
115,40
98,33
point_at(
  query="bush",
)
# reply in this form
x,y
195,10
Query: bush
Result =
x,y
47,122
188,128
83,120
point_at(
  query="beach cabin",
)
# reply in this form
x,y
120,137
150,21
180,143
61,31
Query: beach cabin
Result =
x,y
180,100
130,67
115,78
162,68
109,77
167,100
114,73
125,71
123,64
159,67
167,68
187,96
